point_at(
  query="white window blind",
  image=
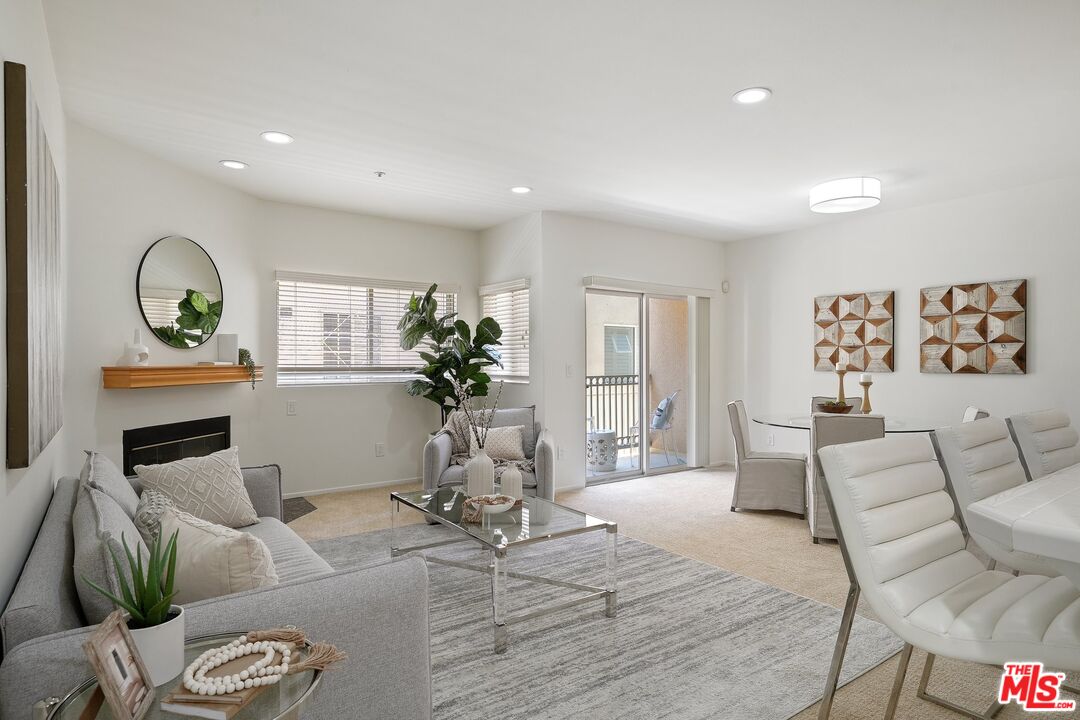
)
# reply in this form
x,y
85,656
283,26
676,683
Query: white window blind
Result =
x,y
334,329
508,304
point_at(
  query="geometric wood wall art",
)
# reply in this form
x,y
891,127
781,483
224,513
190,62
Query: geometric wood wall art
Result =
x,y
974,328
35,354
855,329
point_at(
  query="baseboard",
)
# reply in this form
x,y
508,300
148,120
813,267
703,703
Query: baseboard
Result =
x,y
343,488
722,465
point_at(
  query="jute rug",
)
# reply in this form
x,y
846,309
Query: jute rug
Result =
x,y
691,641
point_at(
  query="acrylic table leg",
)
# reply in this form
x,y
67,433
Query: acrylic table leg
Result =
x,y
498,599
611,569
395,508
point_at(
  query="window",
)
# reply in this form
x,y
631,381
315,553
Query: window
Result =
x,y
620,349
334,329
508,304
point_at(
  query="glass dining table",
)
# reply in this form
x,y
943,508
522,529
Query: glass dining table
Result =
x,y
801,421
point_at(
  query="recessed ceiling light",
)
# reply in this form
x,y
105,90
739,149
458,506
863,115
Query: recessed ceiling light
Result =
x,y
752,96
845,195
521,189
276,137
233,164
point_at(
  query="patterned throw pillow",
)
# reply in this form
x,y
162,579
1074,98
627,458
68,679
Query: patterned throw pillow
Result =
x,y
209,487
101,474
212,560
152,505
502,443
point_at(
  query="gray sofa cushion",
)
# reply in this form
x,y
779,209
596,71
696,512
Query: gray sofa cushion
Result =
x,y
293,558
100,472
98,524
44,600
455,475
526,416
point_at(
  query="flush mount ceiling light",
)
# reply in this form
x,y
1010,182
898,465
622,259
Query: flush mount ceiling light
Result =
x,y
752,96
521,189
276,137
845,195
233,164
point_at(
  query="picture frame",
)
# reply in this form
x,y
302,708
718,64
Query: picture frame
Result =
x,y
122,675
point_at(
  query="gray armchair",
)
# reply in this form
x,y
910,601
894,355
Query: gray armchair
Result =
x,y
438,472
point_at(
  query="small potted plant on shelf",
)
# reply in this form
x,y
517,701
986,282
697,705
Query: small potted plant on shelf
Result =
x,y
157,626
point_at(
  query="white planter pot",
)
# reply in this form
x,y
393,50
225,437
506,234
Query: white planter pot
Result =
x,y
479,475
162,648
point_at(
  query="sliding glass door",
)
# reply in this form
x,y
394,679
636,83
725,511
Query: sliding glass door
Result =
x,y
637,377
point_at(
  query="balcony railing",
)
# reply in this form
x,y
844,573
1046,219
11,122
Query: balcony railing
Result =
x,y
611,402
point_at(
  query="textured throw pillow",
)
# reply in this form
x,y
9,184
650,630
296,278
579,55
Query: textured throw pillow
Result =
x,y
502,443
101,474
209,487
212,560
97,525
152,505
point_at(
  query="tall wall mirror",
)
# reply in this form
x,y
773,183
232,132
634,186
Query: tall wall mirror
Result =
x,y
179,291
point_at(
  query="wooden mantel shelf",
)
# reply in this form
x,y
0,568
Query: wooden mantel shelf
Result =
x,y
150,376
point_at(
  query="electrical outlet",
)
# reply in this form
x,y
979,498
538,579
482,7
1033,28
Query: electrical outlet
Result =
x,y
560,453
380,449
771,440
290,407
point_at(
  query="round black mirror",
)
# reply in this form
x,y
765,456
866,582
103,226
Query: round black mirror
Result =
x,y
179,292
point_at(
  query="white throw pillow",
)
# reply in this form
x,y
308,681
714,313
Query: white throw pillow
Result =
x,y
502,443
209,487
212,560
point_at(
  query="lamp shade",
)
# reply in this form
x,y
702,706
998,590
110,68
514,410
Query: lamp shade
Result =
x,y
845,195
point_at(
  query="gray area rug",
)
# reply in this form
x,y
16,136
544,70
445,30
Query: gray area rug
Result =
x,y
690,641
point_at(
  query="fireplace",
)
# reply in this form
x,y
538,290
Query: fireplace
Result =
x,y
164,443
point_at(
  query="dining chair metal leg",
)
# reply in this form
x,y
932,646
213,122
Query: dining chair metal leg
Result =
x,y
924,694
898,682
838,651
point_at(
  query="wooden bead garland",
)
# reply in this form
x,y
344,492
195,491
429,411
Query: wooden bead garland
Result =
x,y
261,672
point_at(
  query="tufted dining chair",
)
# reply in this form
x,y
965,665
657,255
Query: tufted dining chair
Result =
x,y
764,480
1047,440
979,459
827,429
906,554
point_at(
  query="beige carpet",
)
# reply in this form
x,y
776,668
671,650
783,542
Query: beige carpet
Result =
x,y
689,513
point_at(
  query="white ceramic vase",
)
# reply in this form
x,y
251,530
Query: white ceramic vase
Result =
x,y
510,482
162,647
135,353
479,475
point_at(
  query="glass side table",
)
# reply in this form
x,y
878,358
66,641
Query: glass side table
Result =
x,y
281,701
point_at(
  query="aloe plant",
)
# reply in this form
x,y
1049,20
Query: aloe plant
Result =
x,y
148,596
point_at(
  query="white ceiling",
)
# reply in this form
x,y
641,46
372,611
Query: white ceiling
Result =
x,y
618,109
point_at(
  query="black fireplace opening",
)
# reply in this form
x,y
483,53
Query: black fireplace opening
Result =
x,y
158,444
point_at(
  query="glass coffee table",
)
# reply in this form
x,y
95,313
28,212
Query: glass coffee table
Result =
x,y
500,534
281,701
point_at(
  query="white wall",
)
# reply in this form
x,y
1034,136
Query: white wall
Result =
x,y
24,494
122,200
330,442
1028,233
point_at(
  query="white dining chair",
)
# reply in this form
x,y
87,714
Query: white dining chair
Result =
x,y
979,459
825,430
764,480
1047,441
906,554
973,413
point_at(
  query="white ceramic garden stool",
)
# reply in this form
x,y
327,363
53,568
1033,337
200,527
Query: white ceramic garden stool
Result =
x,y
602,452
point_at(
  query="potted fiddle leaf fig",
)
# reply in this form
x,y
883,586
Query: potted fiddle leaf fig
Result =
x,y
198,319
146,593
453,352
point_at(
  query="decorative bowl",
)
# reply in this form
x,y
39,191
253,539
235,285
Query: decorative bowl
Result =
x,y
835,408
491,504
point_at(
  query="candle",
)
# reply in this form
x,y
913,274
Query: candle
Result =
x,y
866,378
840,366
